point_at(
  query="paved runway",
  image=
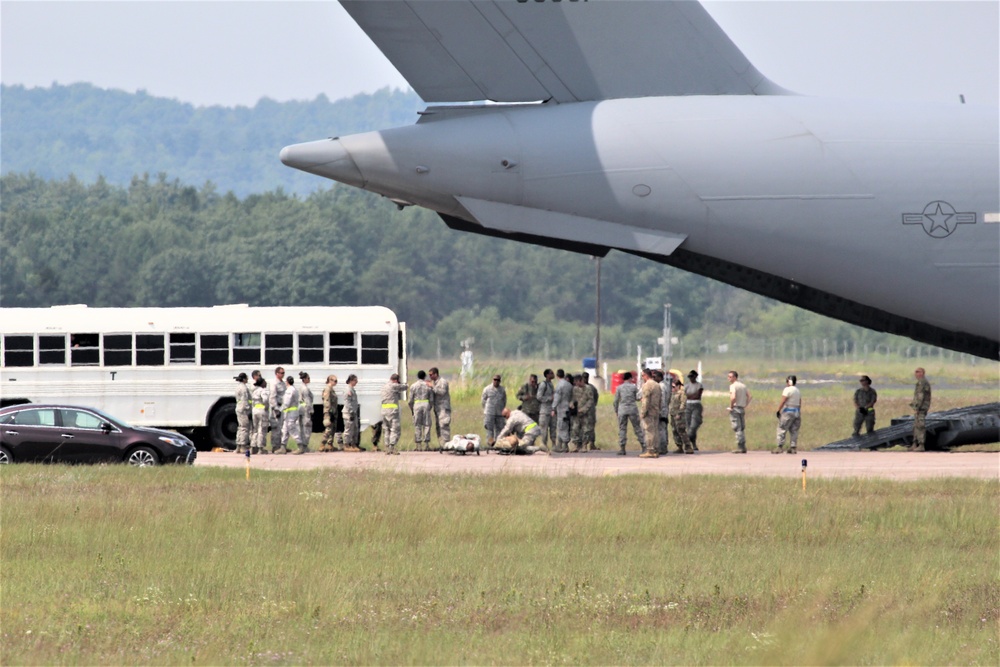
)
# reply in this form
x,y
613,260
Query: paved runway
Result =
x,y
888,465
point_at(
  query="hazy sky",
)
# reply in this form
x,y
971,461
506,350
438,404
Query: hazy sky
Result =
x,y
236,52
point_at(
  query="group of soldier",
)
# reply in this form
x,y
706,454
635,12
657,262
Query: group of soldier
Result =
x,y
286,411
558,414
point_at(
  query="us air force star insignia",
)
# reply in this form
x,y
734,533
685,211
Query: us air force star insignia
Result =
x,y
939,219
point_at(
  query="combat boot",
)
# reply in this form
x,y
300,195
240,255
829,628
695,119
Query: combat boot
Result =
x,y
621,452
739,451
280,450
779,450
649,454
793,450
299,451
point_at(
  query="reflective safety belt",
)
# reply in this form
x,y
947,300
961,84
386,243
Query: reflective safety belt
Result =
x,y
389,406
294,408
421,400
530,426
259,406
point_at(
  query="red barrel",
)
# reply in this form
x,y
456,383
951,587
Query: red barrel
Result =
x,y
616,380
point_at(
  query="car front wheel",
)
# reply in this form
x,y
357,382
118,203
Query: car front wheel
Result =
x,y
5,456
142,457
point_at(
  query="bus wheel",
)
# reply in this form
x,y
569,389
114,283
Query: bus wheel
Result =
x,y
222,426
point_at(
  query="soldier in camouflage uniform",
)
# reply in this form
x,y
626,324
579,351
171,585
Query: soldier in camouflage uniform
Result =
x,y
331,409
290,413
274,404
494,400
528,395
649,413
693,391
258,436
663,445
865,399
518,434
442,406
595,397
578,421
921,403
352,416
545,418
678,417
627,409
243,413
392,394
739,400
305,412
562,396
421,403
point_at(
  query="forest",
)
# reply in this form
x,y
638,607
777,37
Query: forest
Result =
x,y
159,242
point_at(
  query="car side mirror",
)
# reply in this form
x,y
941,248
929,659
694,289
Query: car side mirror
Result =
x,y
106,427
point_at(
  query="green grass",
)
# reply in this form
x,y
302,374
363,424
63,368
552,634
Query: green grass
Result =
x,y
111,565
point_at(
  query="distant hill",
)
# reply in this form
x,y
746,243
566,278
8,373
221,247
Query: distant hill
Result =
x,y
91,132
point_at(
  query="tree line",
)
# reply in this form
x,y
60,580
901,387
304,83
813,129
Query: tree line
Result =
x,y
159,242
91,132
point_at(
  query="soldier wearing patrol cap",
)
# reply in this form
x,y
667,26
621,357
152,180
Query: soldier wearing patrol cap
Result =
x,y
305,413
243,413
865,399
494,400
392,394
421,399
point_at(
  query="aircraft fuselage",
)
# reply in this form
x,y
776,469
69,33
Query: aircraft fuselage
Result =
x,y
892,207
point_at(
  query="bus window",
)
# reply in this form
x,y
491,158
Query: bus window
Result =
x,y
18,350
214,350
85,349
343,348
117,349
182,348
246,348
374,348
310,348
51,350
278,349
149,349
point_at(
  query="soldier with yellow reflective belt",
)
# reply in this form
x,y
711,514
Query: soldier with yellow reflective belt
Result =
x,y
290,416
305,413
421,397
274,402
518,434
258,433
392,394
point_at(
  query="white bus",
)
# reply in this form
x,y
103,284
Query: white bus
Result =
x,y
174,367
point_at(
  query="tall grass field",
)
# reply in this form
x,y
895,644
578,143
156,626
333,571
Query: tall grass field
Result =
x,y
174,565
107,565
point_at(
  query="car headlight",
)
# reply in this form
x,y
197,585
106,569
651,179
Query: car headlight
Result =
x,y
176,442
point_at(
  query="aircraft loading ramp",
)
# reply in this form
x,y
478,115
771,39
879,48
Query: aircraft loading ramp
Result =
x,y
951,428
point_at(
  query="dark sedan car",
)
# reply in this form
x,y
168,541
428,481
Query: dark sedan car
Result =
x,y
72,434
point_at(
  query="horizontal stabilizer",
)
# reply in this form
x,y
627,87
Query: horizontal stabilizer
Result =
x,y
517,51
550,224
